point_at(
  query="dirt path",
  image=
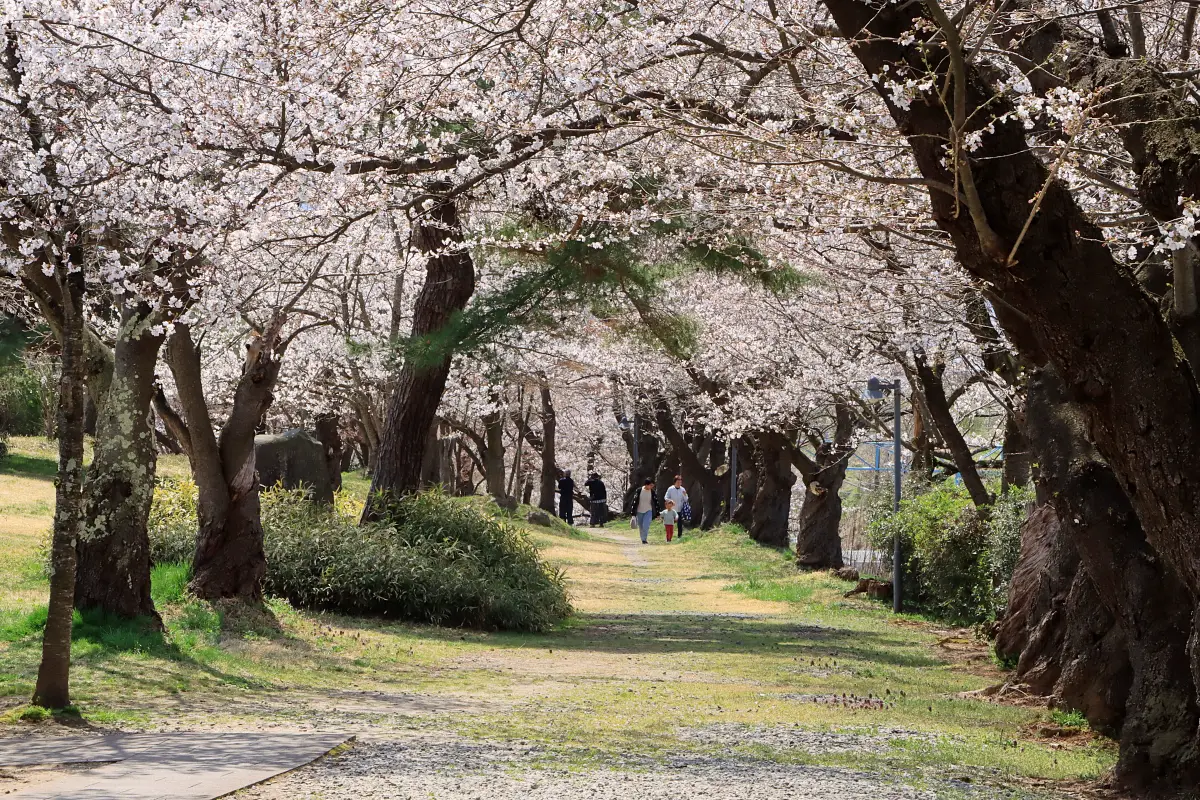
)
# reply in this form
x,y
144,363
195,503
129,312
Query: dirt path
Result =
x,y
706,668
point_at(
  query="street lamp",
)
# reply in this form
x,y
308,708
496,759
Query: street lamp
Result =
x,y
876,389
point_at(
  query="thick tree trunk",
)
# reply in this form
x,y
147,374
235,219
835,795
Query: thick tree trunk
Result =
x,y
933,392
1151,606
493,452
449,284
329,435
1104,336
113,570
1094,673
53,687
819,540
773,501
690,467
229,561
549,477
1018,461
747,485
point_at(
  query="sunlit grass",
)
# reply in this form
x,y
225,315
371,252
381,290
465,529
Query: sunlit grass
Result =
x,y
669,639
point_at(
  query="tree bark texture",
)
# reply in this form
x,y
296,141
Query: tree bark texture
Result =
x,y
449,284
691,468
773,500
819,539
329,435
229,561
113,570
53,687
1151,606
549,476
1112,347
493,452
747,485
933,392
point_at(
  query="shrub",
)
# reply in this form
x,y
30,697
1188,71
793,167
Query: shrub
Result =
x,y
957,561
435,559
172,521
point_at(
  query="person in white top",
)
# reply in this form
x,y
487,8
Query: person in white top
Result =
x,y
678,495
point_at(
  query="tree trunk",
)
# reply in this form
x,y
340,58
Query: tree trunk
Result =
x,y
53,687
1151,606
229,561
493,452
1018,464
449,284
549,480
933,392
819,541
747,485
1115,352
113,570
773,501
922,457
691,468
330,437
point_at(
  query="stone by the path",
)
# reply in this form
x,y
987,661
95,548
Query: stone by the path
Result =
x,y
180,766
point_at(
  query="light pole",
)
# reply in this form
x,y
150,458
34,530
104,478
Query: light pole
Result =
x,y
875,391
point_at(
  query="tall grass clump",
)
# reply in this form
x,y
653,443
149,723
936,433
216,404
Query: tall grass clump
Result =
x,y
434,560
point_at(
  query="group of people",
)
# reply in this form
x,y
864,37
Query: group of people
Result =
x,y
643,501
674,510
597,497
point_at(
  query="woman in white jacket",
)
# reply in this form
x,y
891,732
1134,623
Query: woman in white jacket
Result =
x,y
679,496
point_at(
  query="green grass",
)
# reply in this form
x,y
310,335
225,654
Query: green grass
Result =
x,y
643,662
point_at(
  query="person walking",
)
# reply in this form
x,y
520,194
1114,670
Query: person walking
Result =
x,y
644,502
678,495
598,493
668,518
566,498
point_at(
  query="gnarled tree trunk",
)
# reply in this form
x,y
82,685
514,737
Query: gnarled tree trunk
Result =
x,y
449,284
1112,347
773,501
113,570
1150,604
229,561
819,540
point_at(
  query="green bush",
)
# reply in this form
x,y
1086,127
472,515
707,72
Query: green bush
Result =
x,y
957,561
20,400
172,521
435,559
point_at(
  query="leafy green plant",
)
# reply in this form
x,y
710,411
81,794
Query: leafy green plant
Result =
x,y
1069,719
435,559
957,560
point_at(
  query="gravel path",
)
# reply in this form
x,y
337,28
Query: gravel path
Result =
x,y
447,768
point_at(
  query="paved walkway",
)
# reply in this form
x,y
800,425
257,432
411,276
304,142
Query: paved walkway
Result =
x,y
179,766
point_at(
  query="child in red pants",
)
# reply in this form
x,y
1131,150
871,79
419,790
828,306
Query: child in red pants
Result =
x,y
668,517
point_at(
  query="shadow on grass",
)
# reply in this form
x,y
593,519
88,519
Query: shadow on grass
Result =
x,y
98,638
662,634
28,466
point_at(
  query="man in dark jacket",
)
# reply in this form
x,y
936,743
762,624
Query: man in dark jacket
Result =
x,y
566,498
598,493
